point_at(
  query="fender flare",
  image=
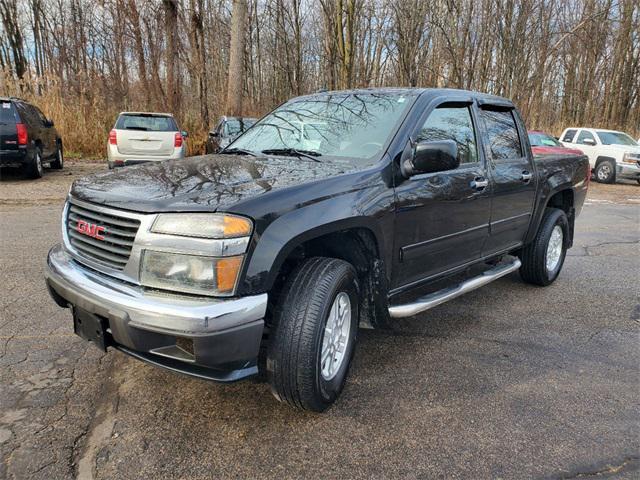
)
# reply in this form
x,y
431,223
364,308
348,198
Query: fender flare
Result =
x,y
554,185
272,247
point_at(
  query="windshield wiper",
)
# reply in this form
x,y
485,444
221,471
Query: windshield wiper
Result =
x,y
237,151
310,154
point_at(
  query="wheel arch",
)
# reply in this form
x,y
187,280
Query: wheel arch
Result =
x,y
357,240
560,195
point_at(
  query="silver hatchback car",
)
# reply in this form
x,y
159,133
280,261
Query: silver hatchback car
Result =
x,y
139,137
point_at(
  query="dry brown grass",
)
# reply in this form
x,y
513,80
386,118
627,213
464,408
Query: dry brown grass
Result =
x,y
84,119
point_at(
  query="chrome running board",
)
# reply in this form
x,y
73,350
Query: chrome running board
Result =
x,y
441,296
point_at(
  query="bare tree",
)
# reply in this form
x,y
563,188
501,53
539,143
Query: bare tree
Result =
x,y
235,82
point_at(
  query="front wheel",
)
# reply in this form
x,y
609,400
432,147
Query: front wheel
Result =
x,y
543,258
606,172
314,334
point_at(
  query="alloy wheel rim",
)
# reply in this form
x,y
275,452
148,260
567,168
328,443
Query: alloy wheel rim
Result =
x,y
336,336
604,172
60,159
38,163
554,248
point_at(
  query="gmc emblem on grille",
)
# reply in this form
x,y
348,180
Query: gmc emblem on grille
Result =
x,y
90,229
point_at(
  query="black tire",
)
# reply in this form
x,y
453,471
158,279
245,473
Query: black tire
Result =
x,y
534,256
293,364
58,163
605,172
35,169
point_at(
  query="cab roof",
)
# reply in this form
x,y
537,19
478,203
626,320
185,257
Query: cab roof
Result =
x,y
482,98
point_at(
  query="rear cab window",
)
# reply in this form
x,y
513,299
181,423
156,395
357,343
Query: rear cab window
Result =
x,y
7,113
146,122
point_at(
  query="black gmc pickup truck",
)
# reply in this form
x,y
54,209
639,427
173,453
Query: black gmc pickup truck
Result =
x,y
336,210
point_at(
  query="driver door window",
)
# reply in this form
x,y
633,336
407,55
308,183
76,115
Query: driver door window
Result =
x,y
452,123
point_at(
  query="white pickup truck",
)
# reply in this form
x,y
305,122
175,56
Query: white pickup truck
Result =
x,y
612,155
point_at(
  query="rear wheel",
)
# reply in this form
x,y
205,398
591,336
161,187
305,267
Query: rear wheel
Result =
x,y
35,168
606,172
543,258
58,163
314,334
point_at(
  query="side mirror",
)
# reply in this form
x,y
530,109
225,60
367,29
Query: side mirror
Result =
x,y
430,157
49,123
589,141
184,134
214,134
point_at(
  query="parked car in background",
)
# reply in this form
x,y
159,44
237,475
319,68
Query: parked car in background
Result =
x,y
226,131
612,154
139,137
28,139
268,256
544,144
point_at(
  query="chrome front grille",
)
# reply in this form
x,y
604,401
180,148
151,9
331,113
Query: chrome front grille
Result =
x,y
113,249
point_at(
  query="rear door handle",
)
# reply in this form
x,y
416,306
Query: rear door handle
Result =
x,y
479,183
526,177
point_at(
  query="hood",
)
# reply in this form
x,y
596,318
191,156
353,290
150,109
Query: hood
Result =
x,y
623,148
208,182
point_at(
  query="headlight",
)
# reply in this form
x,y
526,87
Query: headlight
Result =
x,y
190,273
202,225
630,157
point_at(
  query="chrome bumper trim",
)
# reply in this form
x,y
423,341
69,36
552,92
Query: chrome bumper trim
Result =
x,y
152,311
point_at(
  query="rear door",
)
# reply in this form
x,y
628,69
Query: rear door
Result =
x,y
512,172
48,135
8,131
588,143
442,218
146,135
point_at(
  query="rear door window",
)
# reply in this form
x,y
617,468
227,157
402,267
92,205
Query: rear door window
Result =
x,y
147,123
7,113
502,135
568,135
585,135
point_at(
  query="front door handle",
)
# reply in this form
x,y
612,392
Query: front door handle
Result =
x,y
526,177
479,183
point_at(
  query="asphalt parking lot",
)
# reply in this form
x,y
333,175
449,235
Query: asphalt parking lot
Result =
x,y
510,381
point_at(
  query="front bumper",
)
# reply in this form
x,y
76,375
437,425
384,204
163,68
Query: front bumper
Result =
x,y
628,170
222,336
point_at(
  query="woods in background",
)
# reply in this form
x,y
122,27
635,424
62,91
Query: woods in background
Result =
x,y
563,62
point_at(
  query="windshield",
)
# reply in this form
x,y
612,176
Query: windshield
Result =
x,y
543,140
355,125
616,138
146,122
236,126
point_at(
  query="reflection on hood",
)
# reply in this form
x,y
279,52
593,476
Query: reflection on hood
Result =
x,y
212,181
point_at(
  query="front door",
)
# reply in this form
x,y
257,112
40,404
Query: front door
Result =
x,y
442,218
513,178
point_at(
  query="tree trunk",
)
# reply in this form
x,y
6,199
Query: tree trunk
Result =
x,y
235,79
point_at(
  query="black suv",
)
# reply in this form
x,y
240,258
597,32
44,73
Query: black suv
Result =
x,y
28,139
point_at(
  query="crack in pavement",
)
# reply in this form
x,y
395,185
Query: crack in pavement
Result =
x,y
628,464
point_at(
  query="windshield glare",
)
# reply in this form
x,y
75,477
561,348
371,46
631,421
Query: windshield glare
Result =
x,y
616,138
543,140
338,125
